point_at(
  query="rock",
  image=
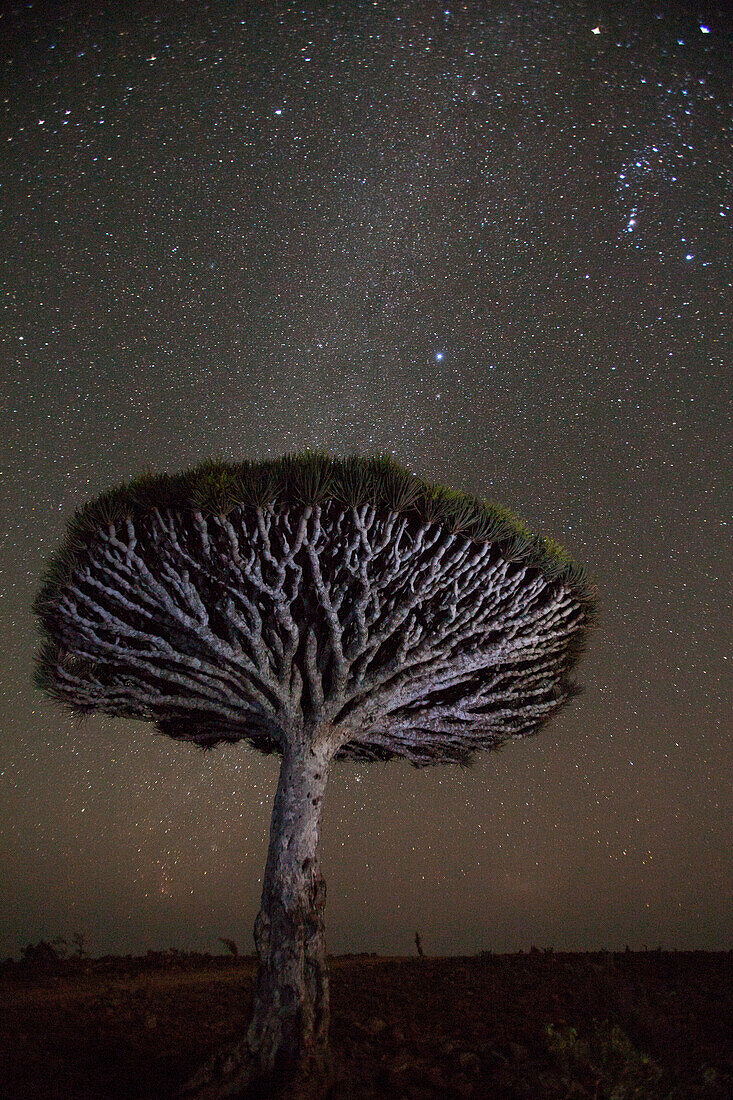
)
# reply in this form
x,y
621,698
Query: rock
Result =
x,y
495,1055
470,1063
449,1046
405,1072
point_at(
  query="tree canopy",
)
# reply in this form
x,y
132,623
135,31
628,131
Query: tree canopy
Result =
x,y
232,600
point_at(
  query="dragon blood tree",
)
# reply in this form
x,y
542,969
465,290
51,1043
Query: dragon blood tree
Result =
x,y
322,609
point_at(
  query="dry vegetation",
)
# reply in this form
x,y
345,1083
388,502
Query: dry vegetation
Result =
x,y
632,1024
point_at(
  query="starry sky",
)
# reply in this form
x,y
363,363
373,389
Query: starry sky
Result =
x,y
489,239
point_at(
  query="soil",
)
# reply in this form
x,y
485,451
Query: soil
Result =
x,y
541,1024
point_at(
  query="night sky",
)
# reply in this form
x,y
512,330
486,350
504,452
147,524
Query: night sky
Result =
x,y
489,239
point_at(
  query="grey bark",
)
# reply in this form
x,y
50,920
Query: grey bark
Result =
x,y
289,1028
287,1040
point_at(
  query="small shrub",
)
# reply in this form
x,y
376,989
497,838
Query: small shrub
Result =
x,y
43,953
607,1063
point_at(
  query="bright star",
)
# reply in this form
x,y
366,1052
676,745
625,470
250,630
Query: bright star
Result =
x,y
596,30
438,356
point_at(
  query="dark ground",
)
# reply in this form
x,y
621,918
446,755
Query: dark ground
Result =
x,y
603,1026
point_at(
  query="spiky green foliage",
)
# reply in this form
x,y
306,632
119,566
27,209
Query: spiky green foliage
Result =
x,y
215,487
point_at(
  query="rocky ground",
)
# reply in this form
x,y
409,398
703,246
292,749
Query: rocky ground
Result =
x,y
524,1026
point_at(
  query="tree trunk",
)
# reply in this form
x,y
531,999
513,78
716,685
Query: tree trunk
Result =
x,y
289,1030
286,1050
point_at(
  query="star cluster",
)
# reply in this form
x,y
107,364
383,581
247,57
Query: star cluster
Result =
x,y
488,239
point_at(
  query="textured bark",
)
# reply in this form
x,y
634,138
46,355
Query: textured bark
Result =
x,y
286,1052
288,1034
